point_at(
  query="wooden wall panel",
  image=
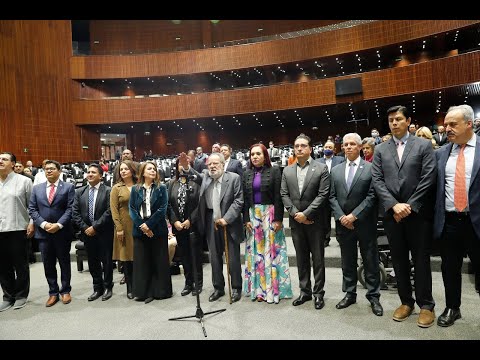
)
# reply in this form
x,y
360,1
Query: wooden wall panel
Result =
x,y
372,35
425,76
36,92
123,36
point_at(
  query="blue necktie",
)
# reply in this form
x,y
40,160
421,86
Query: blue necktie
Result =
x,y
351,173
91,198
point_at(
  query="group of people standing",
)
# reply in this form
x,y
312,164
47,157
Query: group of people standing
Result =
x,y
424,195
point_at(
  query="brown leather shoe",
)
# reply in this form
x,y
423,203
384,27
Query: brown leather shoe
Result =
x,y
402,313
52,300
66,298
426,318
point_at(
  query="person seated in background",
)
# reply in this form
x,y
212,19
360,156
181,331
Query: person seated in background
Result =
x,y
368,148
425,133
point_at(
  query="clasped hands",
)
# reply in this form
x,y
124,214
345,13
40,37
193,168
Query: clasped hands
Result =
x,y
51,228
301,218
347,221
146,230
401,211
182,225
277,225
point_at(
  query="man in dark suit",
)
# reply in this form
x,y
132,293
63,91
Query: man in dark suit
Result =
x,y
404,173
34,170
231,165
331,161
200,162
440,137
272,150
305,190
91,215
354,207
457,211
220,205
51,210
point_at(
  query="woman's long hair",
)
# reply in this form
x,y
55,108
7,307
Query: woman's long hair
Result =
x,y
141,177
133,169
267,162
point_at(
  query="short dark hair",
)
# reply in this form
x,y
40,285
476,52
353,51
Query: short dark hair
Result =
x,y
54,162
399,108
98,167
13,158
228,146
304,137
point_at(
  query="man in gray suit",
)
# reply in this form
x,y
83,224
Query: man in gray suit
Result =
x,y
272,151
403,173
305,190
354,208
220,206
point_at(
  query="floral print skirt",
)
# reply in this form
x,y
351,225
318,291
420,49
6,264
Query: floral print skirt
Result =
x,y
267,275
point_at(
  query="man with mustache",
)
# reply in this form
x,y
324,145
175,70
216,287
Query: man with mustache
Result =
x,y
457,212
220,205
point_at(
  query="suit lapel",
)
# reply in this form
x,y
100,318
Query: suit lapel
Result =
x,y
476,161
100,197
393,149
223,188
442,162
358,173
344,181
205,184
408,146
59,189
311,169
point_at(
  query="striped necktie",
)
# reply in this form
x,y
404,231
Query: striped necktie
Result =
x,y
91,203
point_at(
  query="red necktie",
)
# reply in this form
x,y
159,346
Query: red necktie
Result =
x,y
460,190
51,194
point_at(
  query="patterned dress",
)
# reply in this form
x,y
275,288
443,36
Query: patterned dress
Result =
x,y
267,275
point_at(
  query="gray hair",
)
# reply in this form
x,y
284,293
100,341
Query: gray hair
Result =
x,y
465,109
355,137
370,141
220,157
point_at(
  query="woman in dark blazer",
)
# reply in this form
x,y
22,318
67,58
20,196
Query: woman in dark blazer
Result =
x,y
267,275
148,207
183,196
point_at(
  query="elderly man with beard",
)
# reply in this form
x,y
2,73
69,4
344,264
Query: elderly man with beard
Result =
x,y
220,206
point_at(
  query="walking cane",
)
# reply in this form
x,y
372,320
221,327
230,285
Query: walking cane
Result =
x,y
228,264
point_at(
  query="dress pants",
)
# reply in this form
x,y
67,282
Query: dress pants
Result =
x,y
14,267
411,235
100,264
458,238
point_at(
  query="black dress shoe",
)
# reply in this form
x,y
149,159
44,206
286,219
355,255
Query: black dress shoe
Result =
x,y
107,294
217,294
186,290
130,296
319,302
95,295
346,302
448,317
377,308
148,300
236,295
301,299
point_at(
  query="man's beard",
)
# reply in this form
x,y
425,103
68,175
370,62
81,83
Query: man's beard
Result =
x,y
216,175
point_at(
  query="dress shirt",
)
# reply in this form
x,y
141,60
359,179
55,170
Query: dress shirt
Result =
x,y
450,168
302,173
15,194
355,168
42,225
148,194
226,164
328,162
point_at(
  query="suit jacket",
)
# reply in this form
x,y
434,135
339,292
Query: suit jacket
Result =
x,y
231,202
191,204
269,191
235,166
360,200
410,181
158,207
273,152
335,160
442,155
59,211
315,193
102,217
436,137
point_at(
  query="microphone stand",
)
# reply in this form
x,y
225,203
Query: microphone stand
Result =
x,y
199,314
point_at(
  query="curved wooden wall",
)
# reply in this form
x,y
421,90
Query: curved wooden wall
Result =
x,y
329,43
432,75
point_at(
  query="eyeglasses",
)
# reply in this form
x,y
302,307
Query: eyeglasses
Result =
x,y
50,169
